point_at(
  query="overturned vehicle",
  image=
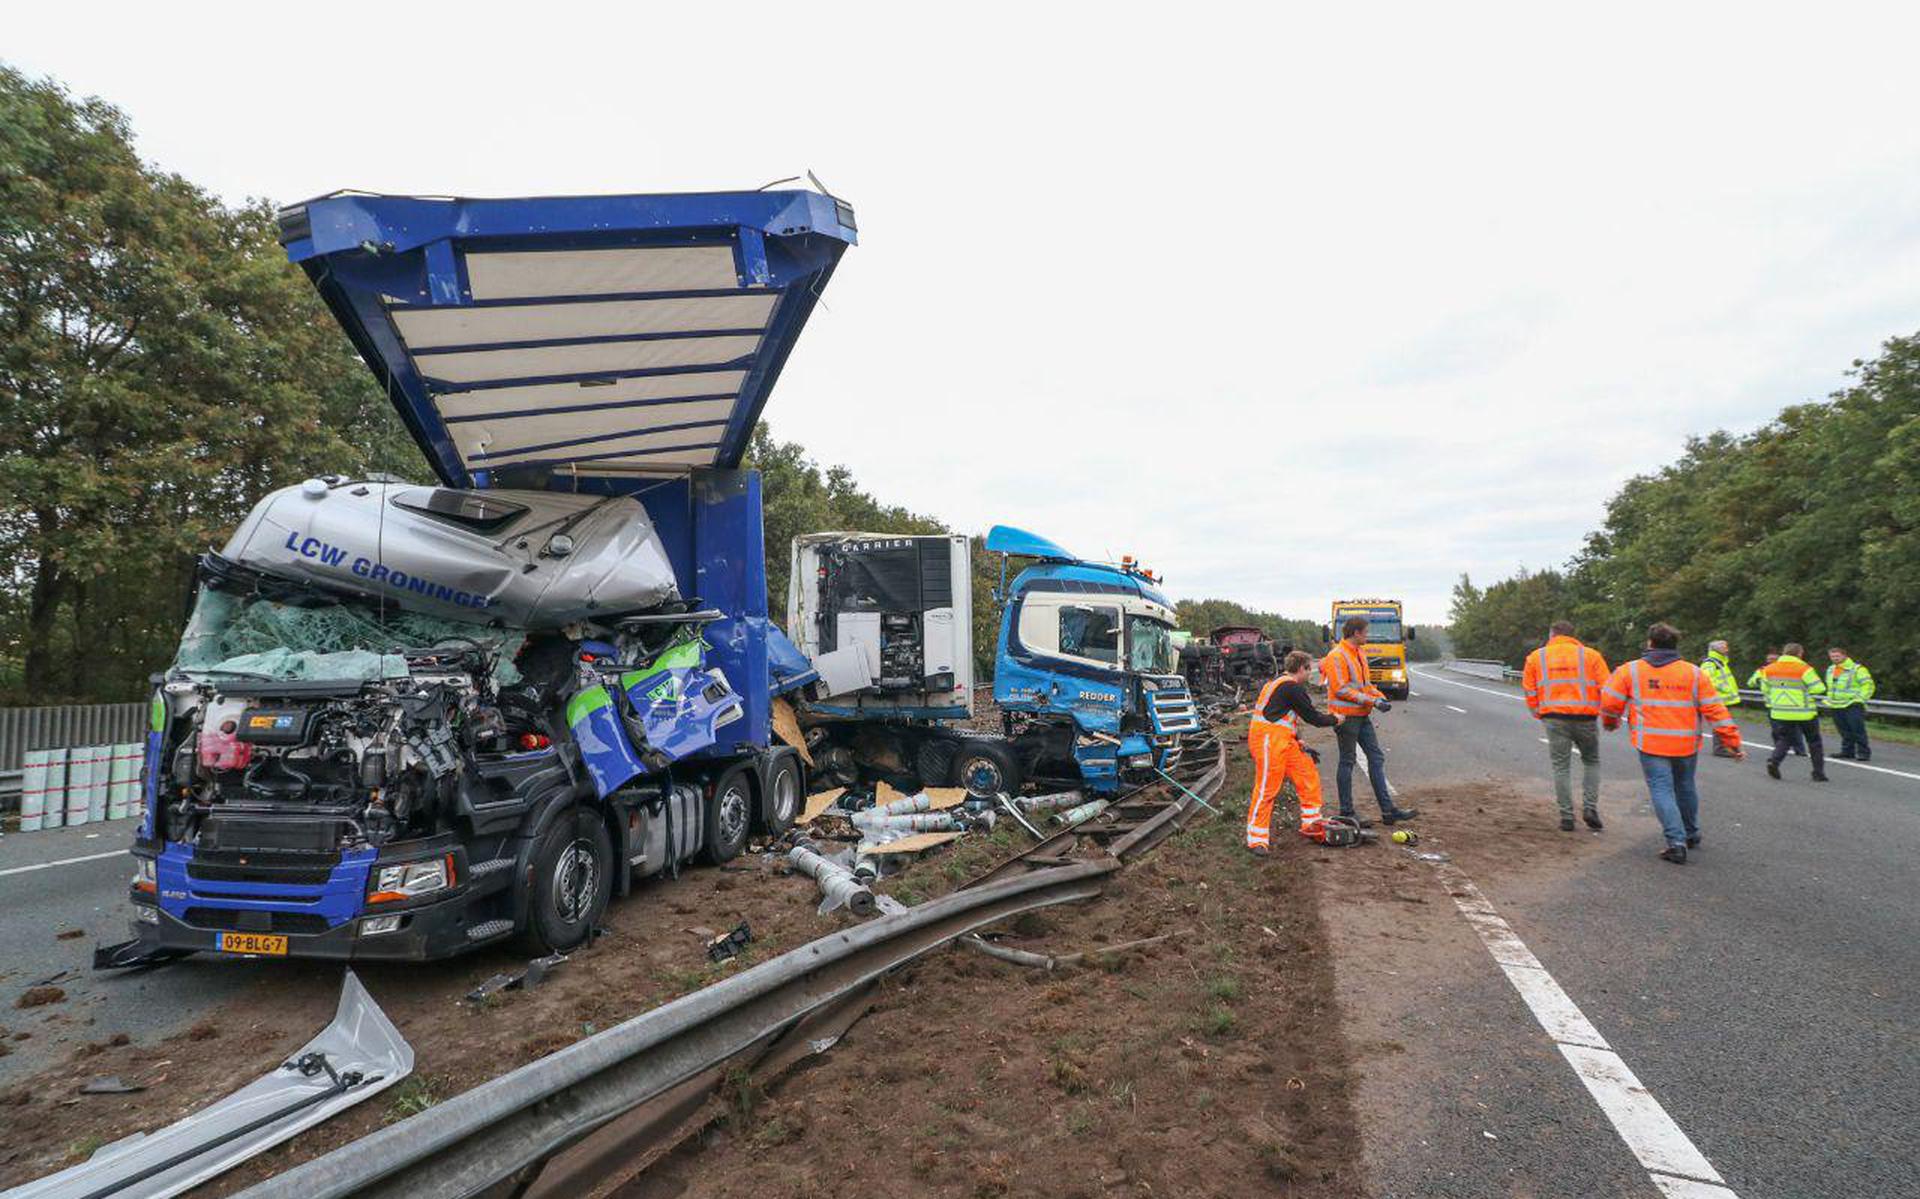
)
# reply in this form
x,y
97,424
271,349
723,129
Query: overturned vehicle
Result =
x,y
407,721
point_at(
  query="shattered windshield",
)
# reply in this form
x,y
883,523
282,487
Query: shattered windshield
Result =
x,y
250,635
1150,648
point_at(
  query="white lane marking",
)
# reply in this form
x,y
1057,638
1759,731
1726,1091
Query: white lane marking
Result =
x,y
1743,741
1672,1161
92,857
1413,693
1544,741
1469,686
1451,708
1360,760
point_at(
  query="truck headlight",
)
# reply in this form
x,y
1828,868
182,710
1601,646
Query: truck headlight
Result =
x,y
373,926
411,880
1139,760
145,914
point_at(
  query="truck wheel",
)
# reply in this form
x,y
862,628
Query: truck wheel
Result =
x,y
781,803
572,880
933,761
729,816
985,768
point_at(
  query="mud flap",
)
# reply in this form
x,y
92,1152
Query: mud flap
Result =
x,y
358,1055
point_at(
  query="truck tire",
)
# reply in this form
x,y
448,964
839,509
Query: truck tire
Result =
x,y
572,881
781,797
730,807
933,761
985,768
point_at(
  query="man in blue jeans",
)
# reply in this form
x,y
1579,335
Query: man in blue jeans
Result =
x,y
1664,698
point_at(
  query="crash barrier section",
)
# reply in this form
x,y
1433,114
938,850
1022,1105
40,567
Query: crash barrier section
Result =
x,y
1897,709
81,785
565,1123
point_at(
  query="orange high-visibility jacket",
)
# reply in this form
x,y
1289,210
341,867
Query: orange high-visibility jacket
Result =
x,y
1664,706
1348,691
1563,678
1260,724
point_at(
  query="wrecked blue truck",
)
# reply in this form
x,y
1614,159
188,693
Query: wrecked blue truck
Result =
x,y
407,721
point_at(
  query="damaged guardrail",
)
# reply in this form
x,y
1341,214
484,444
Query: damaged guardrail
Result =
x,y
510,1127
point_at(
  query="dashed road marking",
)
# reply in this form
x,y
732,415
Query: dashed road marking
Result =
x,y
1672,1161
1451,708
92,857
1904,774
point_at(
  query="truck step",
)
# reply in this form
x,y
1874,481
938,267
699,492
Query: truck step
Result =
x,y
488,929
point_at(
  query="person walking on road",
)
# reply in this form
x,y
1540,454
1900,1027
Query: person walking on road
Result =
x,y
1793,690
1562,682
1720,671
1279,758
1351,696
1664,698
1849,687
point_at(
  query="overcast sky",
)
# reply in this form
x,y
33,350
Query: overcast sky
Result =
x,y
1290,304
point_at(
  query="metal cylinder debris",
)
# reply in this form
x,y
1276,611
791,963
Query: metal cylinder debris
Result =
x,y
1083,813
838,886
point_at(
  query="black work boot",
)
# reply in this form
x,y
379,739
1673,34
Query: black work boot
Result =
x,y
1566,824
1819,776
1693,840
1773,770
1677,854
1592,817
1396,815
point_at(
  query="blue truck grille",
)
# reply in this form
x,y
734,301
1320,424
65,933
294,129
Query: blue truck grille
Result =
x,y
1172,711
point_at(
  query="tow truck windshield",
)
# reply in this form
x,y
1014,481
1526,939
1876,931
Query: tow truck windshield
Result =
x,y
1383,628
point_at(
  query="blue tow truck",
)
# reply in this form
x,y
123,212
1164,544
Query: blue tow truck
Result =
x,y
409,721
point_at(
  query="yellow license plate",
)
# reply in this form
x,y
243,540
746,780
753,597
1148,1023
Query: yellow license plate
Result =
x,y
253,943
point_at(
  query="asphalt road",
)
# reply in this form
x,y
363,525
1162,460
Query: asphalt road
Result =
x,y
1764,994
75,879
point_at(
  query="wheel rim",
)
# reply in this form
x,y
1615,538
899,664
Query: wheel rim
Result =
x,y
576,877
983,777
786,796
733,814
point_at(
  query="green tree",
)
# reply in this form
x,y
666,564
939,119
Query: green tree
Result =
x,y
161,365
1807,529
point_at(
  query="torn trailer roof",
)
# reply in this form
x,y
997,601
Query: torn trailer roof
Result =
x,y
584,343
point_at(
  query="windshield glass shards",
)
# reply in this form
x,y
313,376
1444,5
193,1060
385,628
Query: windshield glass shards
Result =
x,y
1150,648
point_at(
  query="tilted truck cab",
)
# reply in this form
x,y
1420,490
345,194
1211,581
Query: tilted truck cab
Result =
x,y
1087,670
407,721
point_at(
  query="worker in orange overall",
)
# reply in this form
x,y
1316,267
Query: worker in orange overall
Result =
x,y
1274,740
1664,698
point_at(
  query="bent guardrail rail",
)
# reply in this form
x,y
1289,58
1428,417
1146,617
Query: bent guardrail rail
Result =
x,y
509,1127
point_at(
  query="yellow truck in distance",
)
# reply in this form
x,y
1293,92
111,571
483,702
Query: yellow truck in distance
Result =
x,y
1387,637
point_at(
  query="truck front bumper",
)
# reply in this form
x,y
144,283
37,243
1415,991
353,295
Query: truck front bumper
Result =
x,y
426,931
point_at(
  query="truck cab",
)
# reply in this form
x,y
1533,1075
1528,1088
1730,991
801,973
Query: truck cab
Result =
x,y
1086,669
1386,647
407,721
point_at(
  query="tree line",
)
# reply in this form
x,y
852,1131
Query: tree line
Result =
x,y
162,367
1203,616
1807,530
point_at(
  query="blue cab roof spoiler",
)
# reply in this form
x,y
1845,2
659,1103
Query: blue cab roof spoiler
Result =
x,y
1005,539
582,342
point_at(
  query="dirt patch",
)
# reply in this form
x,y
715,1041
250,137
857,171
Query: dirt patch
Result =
x,y
34,997
1209,1064
647,958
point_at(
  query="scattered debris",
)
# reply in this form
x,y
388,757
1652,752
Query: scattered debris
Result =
x,y
1051,802
357,1055
816,804
70,934
838,886
128,955
1083,813
1043,961
109,1084
908,843
730,944
39,996
535,973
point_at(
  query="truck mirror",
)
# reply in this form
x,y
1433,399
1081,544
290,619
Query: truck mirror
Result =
x,y
1413,634
1326,633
